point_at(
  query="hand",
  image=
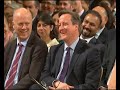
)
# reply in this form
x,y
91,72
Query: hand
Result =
x,y
102,88
62,86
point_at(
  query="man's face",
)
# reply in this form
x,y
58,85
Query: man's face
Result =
x,y
48,6
66,28
77,6
65,5
91,25
22,24
30,5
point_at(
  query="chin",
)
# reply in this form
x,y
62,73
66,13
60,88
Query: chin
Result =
x,y
23,38
62,37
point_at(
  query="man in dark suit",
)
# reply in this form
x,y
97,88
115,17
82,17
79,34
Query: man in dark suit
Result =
x,y
102,34
29,60
109,59
91,25
83,69
34,7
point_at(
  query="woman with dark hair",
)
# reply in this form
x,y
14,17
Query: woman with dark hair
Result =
x,y
46,29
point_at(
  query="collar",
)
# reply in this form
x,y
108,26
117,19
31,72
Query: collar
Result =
x,y
73,45
80,13
99,32
24,43
52,42
87,39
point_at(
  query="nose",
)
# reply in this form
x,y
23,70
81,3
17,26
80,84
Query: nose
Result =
x,y
24,26
40,27
28,8
62,6
60,27
87,25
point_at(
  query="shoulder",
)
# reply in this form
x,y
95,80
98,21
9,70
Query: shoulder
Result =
x,y
34,40
93,52
11,44
56,47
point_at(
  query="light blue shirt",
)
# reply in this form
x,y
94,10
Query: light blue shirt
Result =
x,y
24,43
72,46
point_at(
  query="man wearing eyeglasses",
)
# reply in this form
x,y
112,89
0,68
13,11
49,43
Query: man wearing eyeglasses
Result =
x,y
48,6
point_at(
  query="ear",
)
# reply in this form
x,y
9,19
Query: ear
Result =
x,y
13,25
76,26
51,27
106,19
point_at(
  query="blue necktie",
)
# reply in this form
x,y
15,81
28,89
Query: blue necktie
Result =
x,y
66,65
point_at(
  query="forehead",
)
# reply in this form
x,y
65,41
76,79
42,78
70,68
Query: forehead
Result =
x,y
51,1
65,17
28,3
40,22
64,1
22,17
56,15
99,9
91,18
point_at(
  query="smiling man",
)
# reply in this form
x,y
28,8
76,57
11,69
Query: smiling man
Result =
x,y
25,55
71,64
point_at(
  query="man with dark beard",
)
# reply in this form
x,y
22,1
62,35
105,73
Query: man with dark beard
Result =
x,y
91,25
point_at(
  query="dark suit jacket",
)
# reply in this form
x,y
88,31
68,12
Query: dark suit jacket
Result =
x,y
103,38
109,58
32,62
83,15
97,44
85,66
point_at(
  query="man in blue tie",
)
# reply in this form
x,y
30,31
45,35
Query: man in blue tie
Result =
x,y
72,64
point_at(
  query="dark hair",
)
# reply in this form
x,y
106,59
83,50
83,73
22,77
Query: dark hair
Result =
x,y
55,13
47,19
74,17
95,13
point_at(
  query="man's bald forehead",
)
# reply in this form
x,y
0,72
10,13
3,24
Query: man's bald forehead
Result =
x,y
22,11
99,8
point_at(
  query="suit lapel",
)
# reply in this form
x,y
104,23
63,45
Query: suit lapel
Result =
x,y
103,36
58,59
80,48
25,59
12,51
26,53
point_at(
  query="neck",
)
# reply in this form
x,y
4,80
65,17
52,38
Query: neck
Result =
x,y
70,41
47,40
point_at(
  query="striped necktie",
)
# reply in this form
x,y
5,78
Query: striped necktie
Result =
x,y
13,70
